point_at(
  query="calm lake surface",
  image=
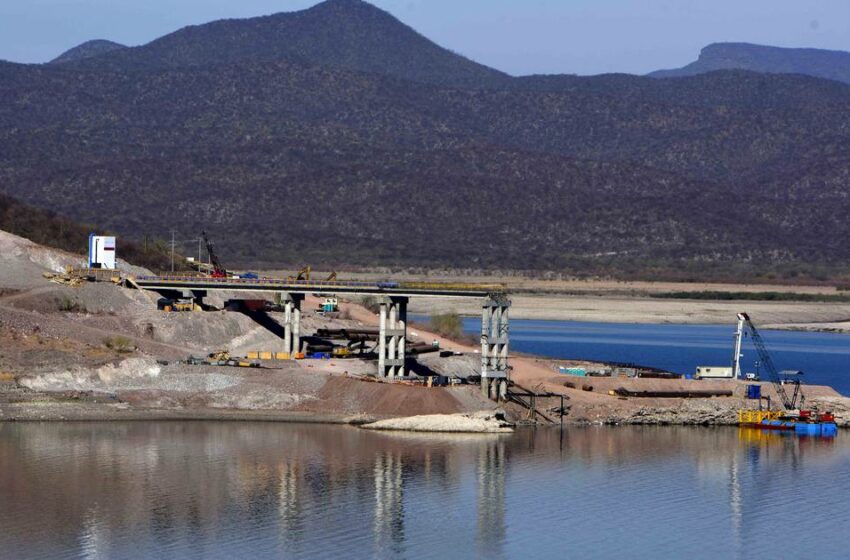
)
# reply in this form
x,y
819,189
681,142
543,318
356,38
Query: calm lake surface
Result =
x,y
824,357
264,490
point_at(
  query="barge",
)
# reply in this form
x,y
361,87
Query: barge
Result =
x,y
804,422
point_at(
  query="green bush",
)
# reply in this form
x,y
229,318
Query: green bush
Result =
x,y
371,303
754,296
71,305
448,325
119,344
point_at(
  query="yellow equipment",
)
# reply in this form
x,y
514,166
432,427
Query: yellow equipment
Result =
x,y
220,355
757,416
303,274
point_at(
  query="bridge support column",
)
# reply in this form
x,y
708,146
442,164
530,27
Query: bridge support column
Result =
x,y
494,347
391,337
291,323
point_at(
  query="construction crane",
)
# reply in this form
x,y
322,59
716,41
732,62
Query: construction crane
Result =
x,y
789,402
218,271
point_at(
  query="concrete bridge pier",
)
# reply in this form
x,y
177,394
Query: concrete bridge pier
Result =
x,y
494,347
291,323
391,337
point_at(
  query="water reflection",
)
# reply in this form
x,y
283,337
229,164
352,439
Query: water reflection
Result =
x,y
215,490
491,498
389,502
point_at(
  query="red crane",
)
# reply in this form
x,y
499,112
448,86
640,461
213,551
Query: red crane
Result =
x,y
218,271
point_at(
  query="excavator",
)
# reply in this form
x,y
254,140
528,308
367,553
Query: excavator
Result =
x,y
303,274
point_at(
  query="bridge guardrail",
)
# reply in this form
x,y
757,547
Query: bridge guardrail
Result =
x,y
459,287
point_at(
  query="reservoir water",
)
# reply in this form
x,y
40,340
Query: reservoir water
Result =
x,y
823,357
263,490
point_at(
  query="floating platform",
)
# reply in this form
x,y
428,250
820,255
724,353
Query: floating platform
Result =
x,y
804,424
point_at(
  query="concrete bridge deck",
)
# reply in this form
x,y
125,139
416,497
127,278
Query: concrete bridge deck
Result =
x,y
395,289
392,299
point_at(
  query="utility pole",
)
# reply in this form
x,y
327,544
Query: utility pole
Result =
x,y
172,251
200,262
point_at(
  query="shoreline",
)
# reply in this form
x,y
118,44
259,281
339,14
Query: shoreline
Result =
x,y
78,412
69,415
798,316
99,352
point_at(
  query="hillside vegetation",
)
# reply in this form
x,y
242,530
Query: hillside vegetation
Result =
x,y
337,135
51,230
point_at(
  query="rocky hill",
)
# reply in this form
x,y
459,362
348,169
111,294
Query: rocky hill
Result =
x,y
349,34
337,135
820,63
87,50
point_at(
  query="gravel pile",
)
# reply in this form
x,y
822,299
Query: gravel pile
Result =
x,y
130,372
22,262
477,422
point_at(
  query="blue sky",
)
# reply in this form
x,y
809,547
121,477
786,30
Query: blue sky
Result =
x,y
517,36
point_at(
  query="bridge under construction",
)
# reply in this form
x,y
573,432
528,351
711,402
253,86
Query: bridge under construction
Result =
x,y
393,298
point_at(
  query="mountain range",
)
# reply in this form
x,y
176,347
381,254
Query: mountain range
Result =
x,y
86,50
820,63
339,135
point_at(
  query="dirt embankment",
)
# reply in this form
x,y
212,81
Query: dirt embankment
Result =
x,y
99,351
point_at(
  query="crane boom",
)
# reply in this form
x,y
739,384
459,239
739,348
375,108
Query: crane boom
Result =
x,y
218,270
789,402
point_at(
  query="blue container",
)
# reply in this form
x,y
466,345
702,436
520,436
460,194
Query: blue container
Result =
x,y
754,392
822,429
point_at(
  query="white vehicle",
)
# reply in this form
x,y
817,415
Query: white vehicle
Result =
x,y
714,372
